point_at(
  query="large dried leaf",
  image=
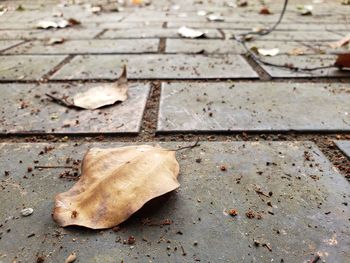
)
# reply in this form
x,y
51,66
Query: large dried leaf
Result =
x,y
104,95
115,183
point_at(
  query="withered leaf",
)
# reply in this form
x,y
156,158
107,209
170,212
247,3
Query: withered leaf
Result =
x,y
115,183
268,52
190,33
99,96
343,60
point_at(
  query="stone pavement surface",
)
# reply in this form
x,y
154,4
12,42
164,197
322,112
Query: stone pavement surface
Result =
x,y
282,131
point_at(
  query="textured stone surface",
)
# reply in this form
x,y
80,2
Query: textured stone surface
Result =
x,y
203,46
24,108
146,32
301,62
254,107
157,67
24,67
89,46
306,217
344,146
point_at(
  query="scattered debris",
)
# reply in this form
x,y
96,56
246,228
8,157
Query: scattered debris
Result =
x,y
27,211
297,51
345,2
242,3
71,258
97,97
201,13
131,240
223,168
190,33
305,10
20,8
3,10
268,52
104,183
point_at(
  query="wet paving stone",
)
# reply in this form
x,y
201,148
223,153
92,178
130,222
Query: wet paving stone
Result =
x,y
253,107
25,109
344,146
23,67
196,46
147,32
296,197
303,62
157,67
88,47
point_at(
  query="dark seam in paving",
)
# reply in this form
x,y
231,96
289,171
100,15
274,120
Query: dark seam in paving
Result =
x,y
57,67
100,33
13,46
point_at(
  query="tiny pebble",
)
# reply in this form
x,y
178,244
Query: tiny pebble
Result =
x,y
27,211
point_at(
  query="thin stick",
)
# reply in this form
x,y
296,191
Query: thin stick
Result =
x,y
187,147
62,101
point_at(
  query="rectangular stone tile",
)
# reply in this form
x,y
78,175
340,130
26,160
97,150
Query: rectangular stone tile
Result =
x,y
196,46
316,36
153,33
344,146
304,214
264,106
309,61
89,47
5,44
157,67
24,108
66,33
27,67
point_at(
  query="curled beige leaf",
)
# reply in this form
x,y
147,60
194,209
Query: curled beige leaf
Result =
x,y
114,184
103,95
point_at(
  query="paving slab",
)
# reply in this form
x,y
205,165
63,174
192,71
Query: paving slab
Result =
x,y
146,32
303,215
344,146
27,67
157,67
5,44
88,47
261,107
309,61
66,33
316,36
195,46
25,109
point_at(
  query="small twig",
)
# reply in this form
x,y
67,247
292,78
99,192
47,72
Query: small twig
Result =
x,y
183,250
53,167
187,147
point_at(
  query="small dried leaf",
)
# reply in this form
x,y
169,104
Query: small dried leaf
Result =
x,y
264,11
297,51
190,33
342,42
268,52
55,41
100,96
305,10
215,18
115,183
343,60
46,24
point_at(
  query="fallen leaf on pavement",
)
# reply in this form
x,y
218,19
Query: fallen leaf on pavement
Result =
x,y
297,51
115,183
215,18
97,97
71,258
264,11
305,10
342,42
343,60
55,41
268,52
190,33
46,24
